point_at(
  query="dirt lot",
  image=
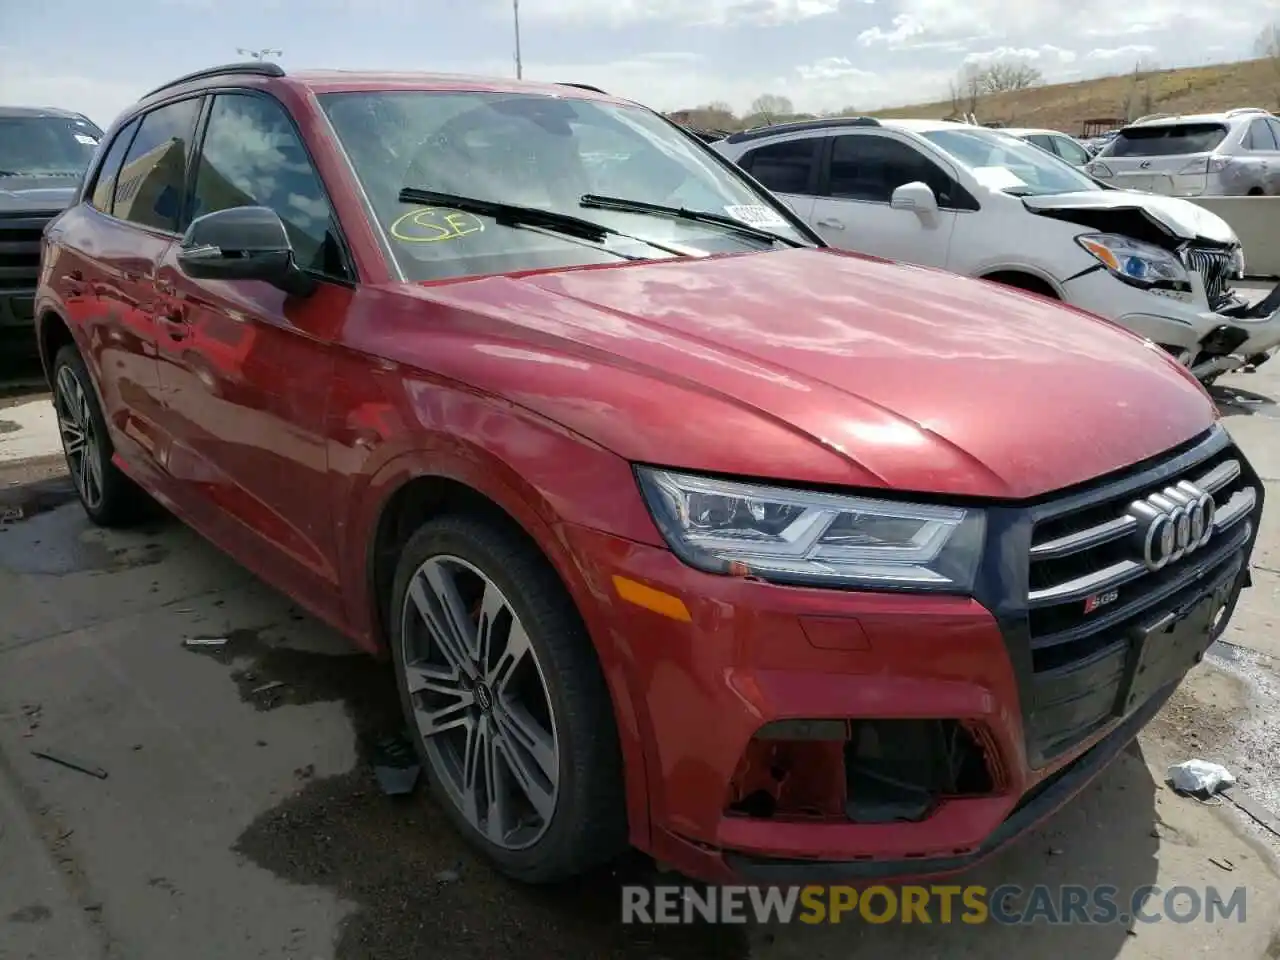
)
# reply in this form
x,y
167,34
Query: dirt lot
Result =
x,y
240,818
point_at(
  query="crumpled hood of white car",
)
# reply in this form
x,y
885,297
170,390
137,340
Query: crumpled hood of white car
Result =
x,y
1182,218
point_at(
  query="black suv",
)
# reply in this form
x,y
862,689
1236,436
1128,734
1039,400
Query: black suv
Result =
x,y
44,153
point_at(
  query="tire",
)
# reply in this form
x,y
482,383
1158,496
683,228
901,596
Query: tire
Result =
x,y
109,497
584,823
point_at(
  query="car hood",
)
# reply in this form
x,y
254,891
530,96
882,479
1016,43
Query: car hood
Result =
x,y
820,367
1179,218
35,194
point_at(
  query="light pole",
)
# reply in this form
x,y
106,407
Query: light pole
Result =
x,y
515,10
261,54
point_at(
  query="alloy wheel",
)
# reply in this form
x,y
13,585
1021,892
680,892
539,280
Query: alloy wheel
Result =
x,y
481,702
80,440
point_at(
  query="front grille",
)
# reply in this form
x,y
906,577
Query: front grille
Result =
x,y
1088,587
20,250
1214,267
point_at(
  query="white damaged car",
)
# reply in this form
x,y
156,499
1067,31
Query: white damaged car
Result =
x,y
979,202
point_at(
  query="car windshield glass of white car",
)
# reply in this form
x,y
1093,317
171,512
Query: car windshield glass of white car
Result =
x,y
45,146
540,156
1006,163
1167,140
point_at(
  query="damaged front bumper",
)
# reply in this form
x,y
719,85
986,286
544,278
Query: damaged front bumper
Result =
x,y
1245,337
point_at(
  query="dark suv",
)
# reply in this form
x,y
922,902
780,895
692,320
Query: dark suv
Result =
x,y
43,154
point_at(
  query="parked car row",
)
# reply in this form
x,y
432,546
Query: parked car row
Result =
x,y
683,527
984,203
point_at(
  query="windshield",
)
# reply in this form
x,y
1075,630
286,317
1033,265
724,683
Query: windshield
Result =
x,y
46,146
1166,140
1002,162
546,153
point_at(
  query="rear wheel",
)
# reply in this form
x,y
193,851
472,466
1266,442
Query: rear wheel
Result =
x,y
501,687
109,497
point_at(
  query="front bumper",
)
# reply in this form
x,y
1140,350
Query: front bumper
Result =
x,y
743,657
1188,330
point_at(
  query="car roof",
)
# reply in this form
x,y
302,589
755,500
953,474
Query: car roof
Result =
x,y
347,81
1223,118
48,113
1033,131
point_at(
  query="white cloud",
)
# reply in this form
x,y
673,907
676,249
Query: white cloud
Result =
x,y
921,24
1044,53
99,98
673,12
1115,53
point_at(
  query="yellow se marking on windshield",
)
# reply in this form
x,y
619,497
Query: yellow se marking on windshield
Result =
x,y
431,225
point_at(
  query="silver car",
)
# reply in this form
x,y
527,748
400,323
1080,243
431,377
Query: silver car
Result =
x,y
1230,154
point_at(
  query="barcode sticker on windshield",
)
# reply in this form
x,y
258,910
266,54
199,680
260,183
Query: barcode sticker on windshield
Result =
x,y
755,215
87,140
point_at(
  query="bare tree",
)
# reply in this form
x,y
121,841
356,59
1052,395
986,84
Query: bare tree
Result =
x,y
772,107
1267,47
1004,76
1139,100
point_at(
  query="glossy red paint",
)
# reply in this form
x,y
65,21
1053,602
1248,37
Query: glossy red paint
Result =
x,y
281,428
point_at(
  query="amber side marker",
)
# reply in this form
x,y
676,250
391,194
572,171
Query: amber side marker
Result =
x,y
651,599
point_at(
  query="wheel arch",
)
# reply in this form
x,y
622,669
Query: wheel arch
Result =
x,y
52,334
1025,278
410,491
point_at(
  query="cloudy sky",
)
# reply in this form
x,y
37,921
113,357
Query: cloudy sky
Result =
x,y
98,55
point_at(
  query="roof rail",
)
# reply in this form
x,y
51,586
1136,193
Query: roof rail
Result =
x,y
583,86
1243,111
257,68
798,126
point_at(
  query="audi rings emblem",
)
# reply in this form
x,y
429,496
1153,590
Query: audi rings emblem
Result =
x,y
1172,523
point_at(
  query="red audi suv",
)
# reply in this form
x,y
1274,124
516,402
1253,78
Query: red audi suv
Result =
x,y
681,529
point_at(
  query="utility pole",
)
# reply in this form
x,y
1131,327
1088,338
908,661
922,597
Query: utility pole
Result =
x,y
515,10
261,54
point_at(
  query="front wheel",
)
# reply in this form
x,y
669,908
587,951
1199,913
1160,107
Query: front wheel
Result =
x,y
502,689
109,497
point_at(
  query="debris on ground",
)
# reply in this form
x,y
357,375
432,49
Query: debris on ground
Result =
x,y
1200,778
1223,864
72,763
205,642
447,876
395,764
266,688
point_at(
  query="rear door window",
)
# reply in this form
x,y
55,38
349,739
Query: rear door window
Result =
x,y
153,179
104,186
1260,137
1041,141
1167,140
785,167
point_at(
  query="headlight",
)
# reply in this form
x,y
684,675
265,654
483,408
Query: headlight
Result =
x,y
1139,264
802,537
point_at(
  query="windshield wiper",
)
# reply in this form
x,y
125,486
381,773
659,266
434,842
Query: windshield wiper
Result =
x,y
515,215
684,213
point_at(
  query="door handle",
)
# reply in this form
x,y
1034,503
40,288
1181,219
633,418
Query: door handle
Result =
x,y
174,321
830,224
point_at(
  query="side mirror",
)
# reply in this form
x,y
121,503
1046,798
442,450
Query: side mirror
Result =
x,y
243,243
919,199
